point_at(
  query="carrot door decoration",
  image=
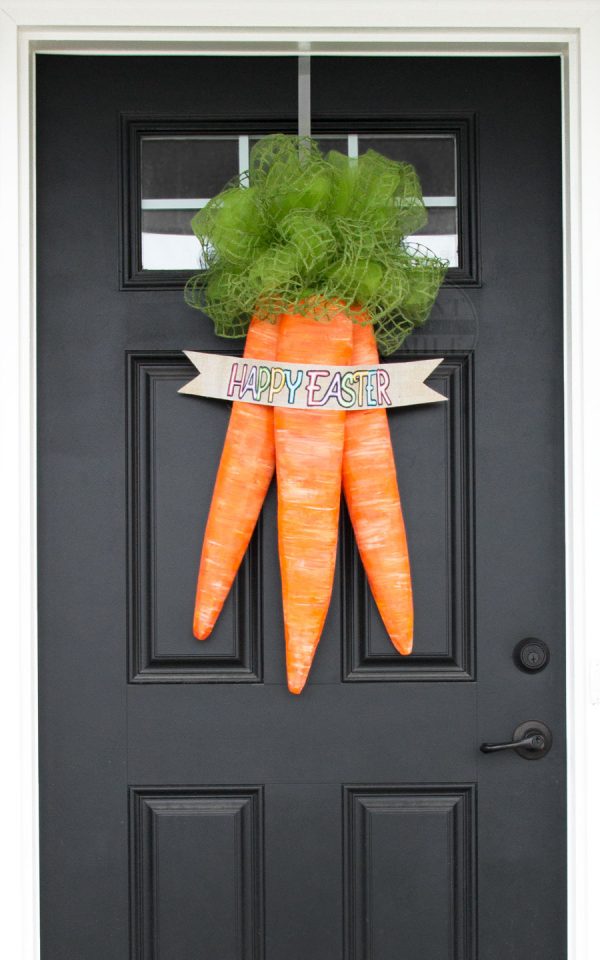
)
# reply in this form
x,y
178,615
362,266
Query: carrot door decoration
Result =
x,y
243,478
308,446
307,255
371,493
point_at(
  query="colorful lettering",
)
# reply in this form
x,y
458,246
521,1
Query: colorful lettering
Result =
x,y
348,393
360,377
383,382
250,384
235,381
313,385
334,391
276,387
292,385
369,389
264,379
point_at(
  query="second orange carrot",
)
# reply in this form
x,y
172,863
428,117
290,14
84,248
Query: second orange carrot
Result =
x,y
308,448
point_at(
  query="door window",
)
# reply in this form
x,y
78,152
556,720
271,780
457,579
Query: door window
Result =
x,y
180,174
175,174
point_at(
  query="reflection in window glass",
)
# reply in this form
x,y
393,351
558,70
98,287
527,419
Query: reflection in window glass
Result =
x,y
180,174
434,159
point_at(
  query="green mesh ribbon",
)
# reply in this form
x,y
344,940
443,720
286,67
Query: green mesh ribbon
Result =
x,y
304,232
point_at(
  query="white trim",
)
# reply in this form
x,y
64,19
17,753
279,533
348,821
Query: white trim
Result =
x,y
583,522
399,27
18,703
243,157
439,201
194,203
176,203
353,145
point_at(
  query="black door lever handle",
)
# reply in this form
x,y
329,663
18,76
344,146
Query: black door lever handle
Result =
x,y
531,740
534,742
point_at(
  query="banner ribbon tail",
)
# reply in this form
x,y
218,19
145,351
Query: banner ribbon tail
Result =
x,y
193,387
413,390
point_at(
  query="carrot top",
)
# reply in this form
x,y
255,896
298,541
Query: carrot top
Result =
x,y
311,233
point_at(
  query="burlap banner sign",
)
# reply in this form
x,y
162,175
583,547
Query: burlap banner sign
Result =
x,y
312,386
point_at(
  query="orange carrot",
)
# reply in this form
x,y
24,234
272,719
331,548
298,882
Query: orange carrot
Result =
x,y
245,472
371,492
308,451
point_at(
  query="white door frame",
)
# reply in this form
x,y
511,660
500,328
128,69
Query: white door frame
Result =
x,y
393,27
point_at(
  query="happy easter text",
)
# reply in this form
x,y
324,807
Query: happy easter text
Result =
x,y
318,387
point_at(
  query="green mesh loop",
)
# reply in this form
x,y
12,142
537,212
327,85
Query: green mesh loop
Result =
x,y
313,234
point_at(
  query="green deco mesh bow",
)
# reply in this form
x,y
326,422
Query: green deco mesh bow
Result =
x,y
305,233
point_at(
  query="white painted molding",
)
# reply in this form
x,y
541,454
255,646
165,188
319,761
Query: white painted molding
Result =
x,y
261,16
583,523
397,27
18,701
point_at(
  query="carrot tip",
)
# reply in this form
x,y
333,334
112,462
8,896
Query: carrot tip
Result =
x,y
296,686
201,632
404,648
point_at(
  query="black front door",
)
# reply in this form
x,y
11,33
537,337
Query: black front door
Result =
x,y
191,808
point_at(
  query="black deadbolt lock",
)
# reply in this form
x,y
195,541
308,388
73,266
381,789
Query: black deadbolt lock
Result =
x,y
531,654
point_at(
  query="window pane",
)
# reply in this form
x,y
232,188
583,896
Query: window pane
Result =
x,y
434,158
195,167
178,175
